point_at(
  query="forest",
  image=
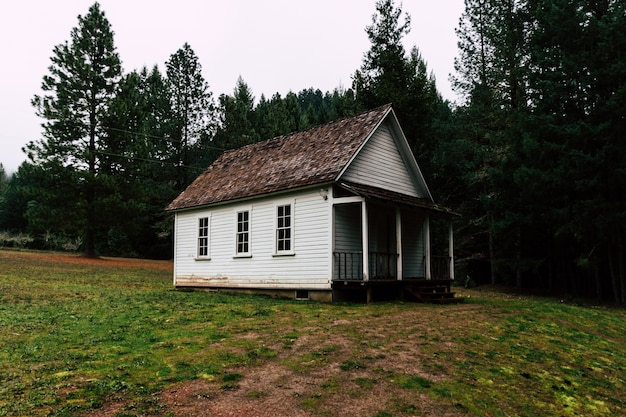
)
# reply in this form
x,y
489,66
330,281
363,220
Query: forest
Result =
x,y
532,156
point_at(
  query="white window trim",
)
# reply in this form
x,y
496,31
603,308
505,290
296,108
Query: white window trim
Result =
x,y
206,257
247,254
292,251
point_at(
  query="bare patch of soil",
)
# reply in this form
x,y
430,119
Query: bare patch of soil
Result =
x,y
273,390
331,371
66,258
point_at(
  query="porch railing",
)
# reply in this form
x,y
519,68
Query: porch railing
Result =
x,y
349,266
383,265
440,267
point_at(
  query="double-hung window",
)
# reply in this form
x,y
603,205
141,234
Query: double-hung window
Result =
x,y
284,229
243,233
203,237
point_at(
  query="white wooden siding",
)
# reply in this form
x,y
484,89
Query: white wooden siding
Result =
x,y
348,228
307,268
412,245
380,164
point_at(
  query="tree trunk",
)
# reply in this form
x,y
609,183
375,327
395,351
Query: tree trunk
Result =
x,y
90,234
492,256
90,192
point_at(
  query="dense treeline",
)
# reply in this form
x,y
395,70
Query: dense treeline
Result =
x,y
533,155
542,138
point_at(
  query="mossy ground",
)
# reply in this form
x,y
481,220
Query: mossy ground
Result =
x,y
112,337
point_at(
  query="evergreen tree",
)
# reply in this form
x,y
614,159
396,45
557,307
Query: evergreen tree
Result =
x,y
318,108
389,75
493,50
238,119
82,81
544,88
193,110
278,116
3,179
137,126
4,185
578,85
41,201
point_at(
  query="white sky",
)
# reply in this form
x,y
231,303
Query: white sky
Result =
x,y
275,45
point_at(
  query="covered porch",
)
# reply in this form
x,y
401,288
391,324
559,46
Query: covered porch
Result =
x,y
382,242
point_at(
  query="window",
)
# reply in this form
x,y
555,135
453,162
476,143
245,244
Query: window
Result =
x,y
203,237
243,233
284,234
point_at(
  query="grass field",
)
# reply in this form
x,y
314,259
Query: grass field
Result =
x,y
112,337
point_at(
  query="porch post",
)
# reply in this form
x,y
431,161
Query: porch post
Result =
x,y
427,246
451,249
399,243
365,240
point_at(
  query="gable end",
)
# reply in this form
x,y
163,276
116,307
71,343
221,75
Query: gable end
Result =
x,y
385,161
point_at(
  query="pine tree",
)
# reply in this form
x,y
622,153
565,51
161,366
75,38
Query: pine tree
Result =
x,y
578,86
136,161
82,81
4,179
493,50
238,119
389,75
192,107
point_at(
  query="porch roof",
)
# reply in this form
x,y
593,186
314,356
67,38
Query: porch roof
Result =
x,y
387,195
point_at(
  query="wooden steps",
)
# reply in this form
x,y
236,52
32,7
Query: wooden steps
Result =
x,y
436,293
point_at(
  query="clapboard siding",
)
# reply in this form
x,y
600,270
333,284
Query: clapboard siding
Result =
x,y
348,228
380,164
308,267
412,245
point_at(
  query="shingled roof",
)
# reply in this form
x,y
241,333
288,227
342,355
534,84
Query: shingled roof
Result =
x,y
314,156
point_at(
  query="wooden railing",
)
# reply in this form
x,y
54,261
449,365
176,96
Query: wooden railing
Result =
x,y
383,266
440,267
348,266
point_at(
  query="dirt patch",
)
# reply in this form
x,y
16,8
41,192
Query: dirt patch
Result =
x,y
274,390
330,371
116,262
65,258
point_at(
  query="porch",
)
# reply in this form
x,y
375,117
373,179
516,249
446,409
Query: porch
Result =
x,y
383,240
382,248
383,283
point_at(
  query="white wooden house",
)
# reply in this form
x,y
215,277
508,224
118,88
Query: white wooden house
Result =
x,y
335,211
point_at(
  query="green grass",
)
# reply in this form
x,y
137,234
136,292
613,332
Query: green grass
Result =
x,y
75,336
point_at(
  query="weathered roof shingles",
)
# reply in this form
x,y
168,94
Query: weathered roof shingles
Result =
x,y
300,159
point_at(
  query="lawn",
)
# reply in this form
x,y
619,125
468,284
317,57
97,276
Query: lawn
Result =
x,y
113,337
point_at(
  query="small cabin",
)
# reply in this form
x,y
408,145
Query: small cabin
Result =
x,y
338,212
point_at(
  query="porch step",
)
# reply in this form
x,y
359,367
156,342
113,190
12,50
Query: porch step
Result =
x,y
437,294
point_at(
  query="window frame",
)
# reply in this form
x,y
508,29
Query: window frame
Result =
x,y
279,226
207,237
247,253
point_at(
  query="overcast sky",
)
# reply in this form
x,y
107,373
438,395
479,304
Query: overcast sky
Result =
x,y
275,45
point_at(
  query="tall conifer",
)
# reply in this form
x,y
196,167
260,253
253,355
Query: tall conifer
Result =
x,y
76,92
